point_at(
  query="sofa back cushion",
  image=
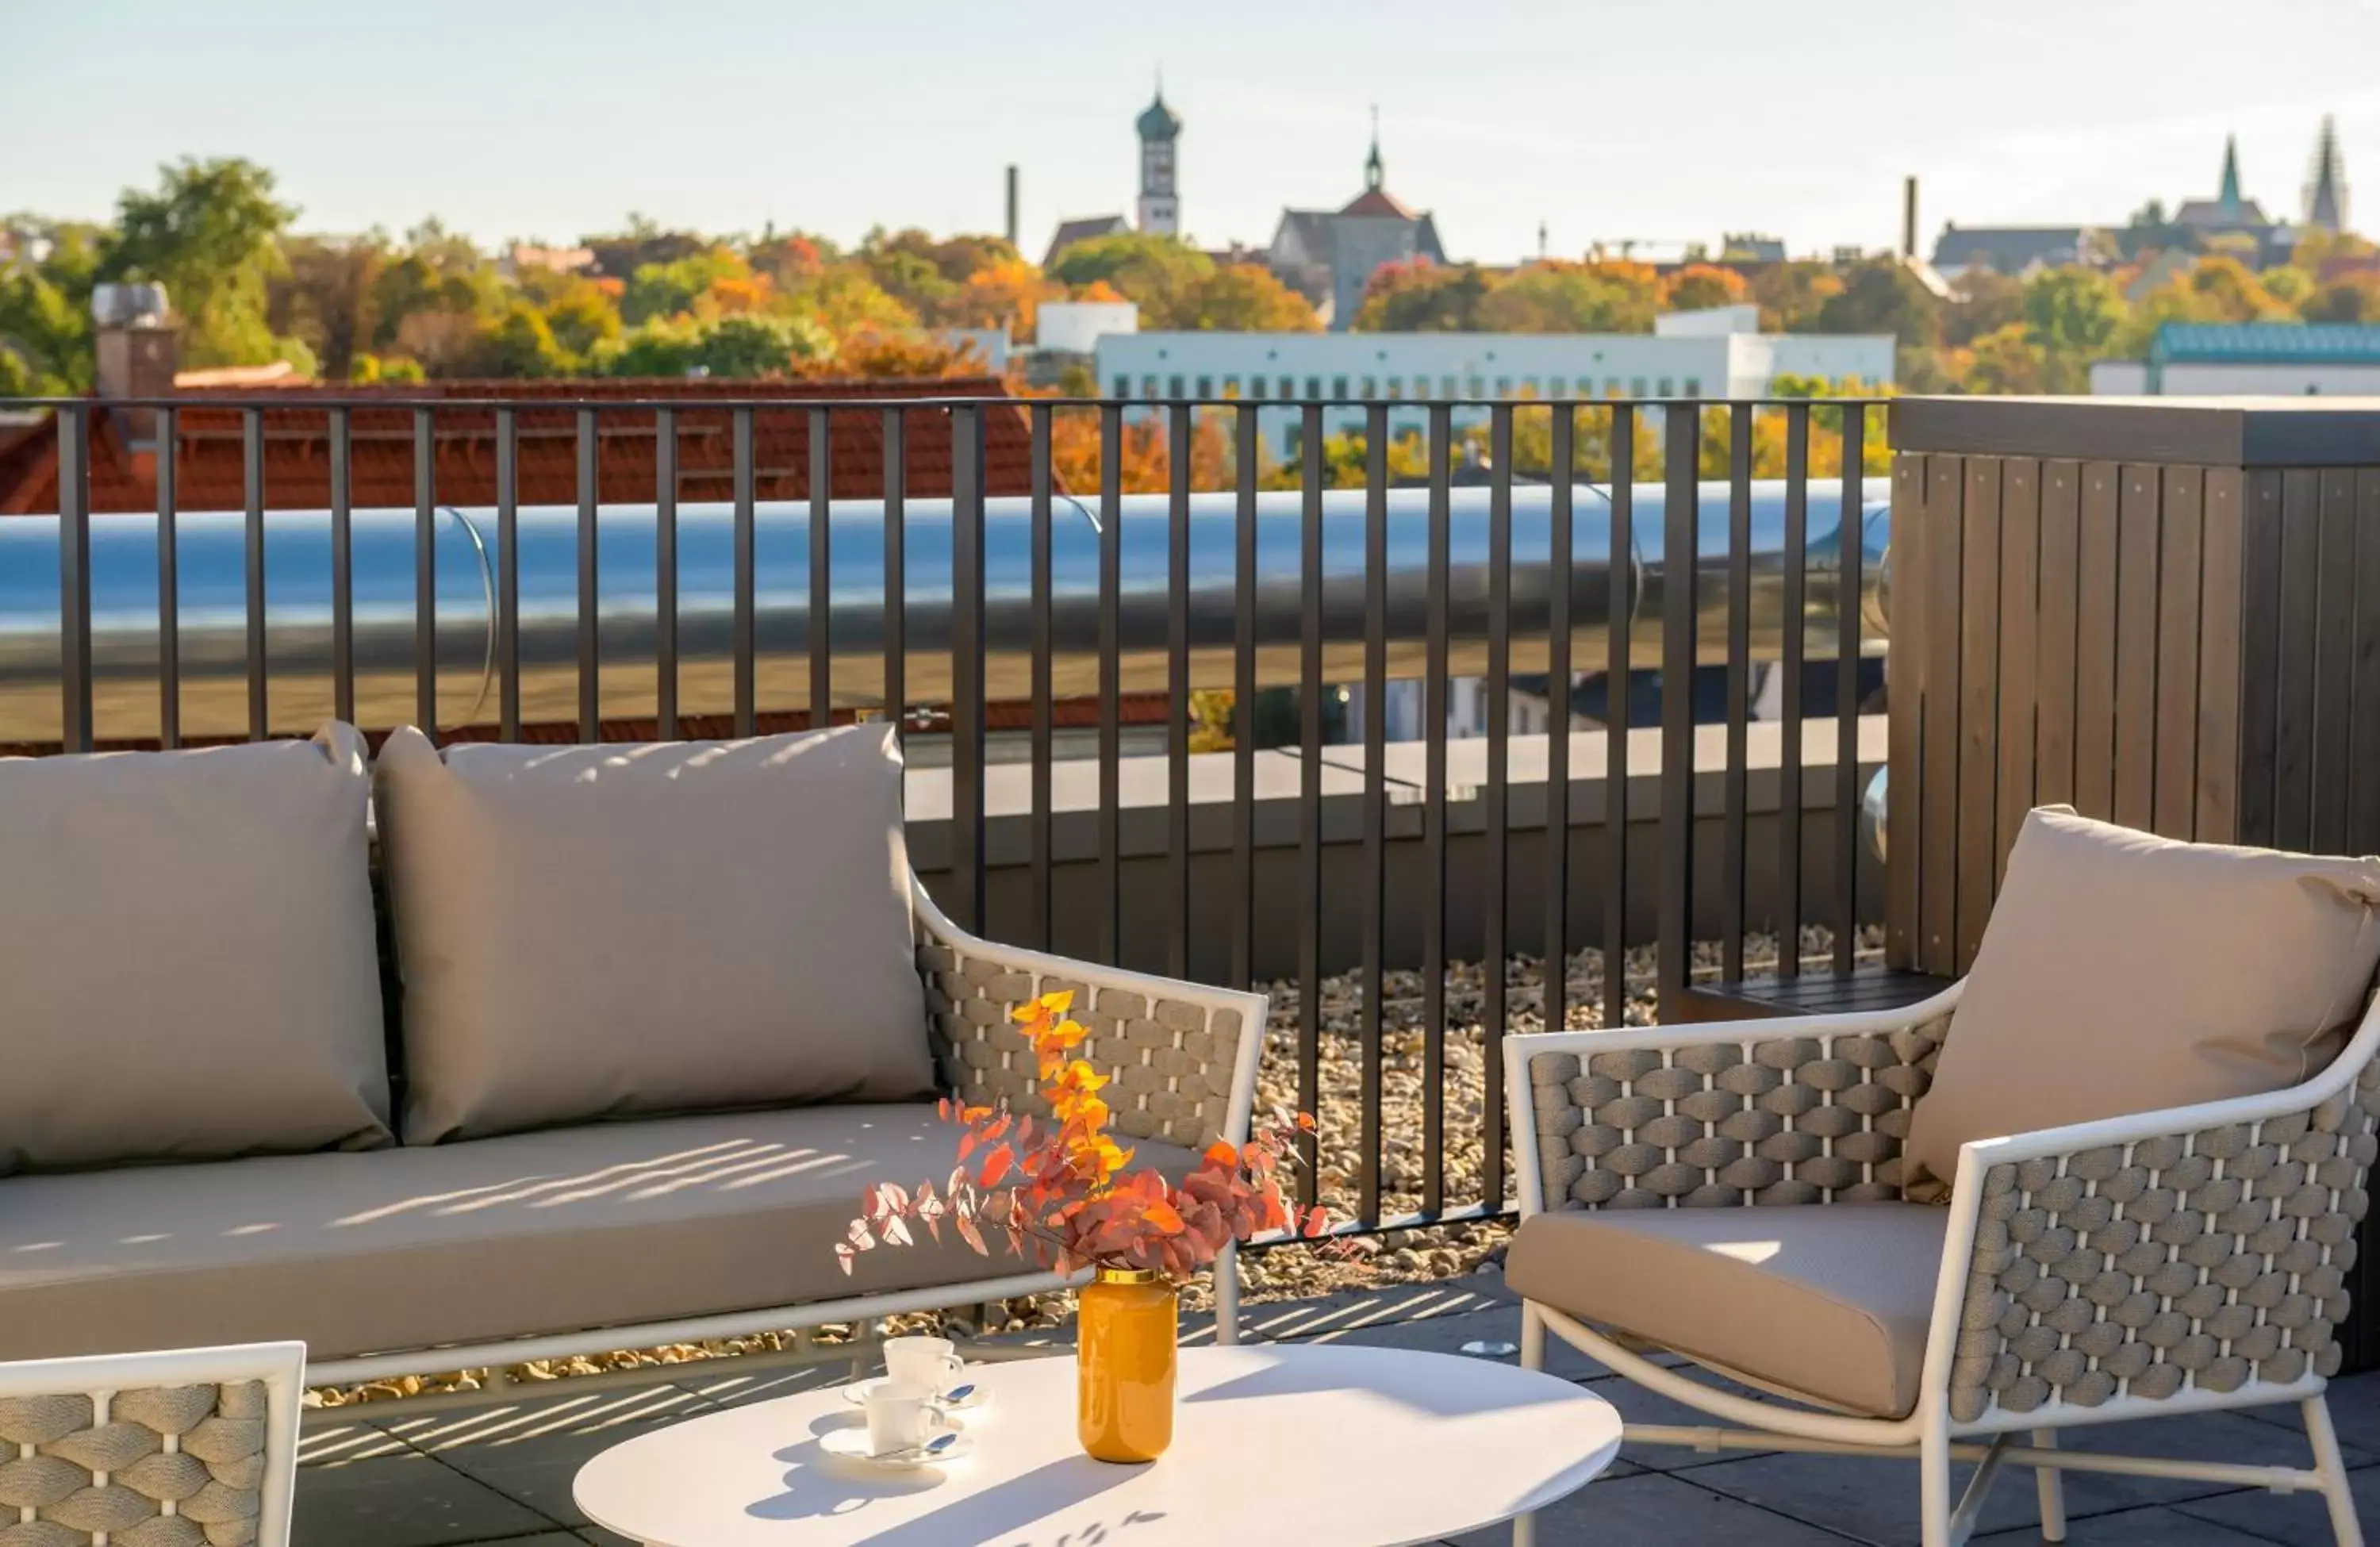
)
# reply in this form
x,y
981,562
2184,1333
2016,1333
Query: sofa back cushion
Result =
x,y
585,931
187,964
2123,972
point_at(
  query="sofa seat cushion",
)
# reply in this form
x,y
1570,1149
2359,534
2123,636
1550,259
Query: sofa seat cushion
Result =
x,y
2122,972
614,931
607,1224
188,964
1827,1301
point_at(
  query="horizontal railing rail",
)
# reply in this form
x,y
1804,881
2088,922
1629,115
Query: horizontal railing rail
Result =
x,y
215,569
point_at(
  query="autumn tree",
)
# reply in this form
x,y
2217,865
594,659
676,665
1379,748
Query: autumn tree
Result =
x,y
1556,296
1422,296
1790,296
1162,274
1882,296
1984,300
1699,287
1242,297
2351,298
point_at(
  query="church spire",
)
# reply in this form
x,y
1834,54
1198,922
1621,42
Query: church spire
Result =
x,y
2228,197
1373,173
2326,199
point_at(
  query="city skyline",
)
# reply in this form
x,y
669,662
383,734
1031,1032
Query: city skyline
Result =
x,y
533,136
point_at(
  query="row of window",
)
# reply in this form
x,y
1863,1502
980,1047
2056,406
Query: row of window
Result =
x,y
1398,388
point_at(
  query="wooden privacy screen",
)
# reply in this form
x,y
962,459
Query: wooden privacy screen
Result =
x,y
2180,634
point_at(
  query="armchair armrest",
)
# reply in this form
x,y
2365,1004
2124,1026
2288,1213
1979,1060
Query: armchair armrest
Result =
x,y
1769,1112
2198,1249
1182,1057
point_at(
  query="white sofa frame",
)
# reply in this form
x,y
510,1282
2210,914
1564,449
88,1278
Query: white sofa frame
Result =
x,y
932,927
280,1366
1929,1434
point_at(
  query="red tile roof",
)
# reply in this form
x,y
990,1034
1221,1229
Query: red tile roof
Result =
x,y
296,451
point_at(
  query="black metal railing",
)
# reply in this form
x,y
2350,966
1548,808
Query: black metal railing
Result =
x,y
1078,629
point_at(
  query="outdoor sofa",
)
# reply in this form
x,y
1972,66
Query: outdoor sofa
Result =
x,y
608,1065
2115,1173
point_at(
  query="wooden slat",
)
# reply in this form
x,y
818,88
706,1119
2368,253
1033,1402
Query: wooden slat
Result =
x,y
1979,648
2180,559
1905,675
2053,768
2259,653
2094,643
2136,642
2363,772
2020,634
2215,786
2293,705
1937,826
2334,660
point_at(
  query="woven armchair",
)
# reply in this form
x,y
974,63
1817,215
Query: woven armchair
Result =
x,y
2171,1262
186,1449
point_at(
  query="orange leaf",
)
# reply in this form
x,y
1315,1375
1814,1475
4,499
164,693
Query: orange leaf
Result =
x,y
1162,1215
1317,1224
995,1165
1219,1154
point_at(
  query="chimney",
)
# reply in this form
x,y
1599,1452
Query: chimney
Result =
x,y
1012,204
1909,217
137,352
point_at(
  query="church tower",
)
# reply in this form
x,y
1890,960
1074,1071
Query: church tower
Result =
x,y
2325,196
1159,211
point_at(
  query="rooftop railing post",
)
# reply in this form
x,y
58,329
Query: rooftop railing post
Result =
x,y
1309,787
169,582
1375,889
1110,906
747,605
1434,712
897,572
343,567
1681,546
1619,602
251,434
966,666
1044,905
818,618
590,638
74,577
425,573
666,572
1177,689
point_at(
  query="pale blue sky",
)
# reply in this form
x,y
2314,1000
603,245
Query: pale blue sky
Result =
x,y
1674,120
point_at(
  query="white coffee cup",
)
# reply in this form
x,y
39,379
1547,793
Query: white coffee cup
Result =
x,y
901,1415
930,1362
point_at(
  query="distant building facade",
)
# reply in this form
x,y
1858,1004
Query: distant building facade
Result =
x,y
1691,358
2016,250
1329,256
2213,360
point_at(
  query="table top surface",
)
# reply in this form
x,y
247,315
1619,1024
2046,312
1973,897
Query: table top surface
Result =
x,y
1271,1443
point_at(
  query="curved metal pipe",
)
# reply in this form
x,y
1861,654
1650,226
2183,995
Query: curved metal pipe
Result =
x,y
297,603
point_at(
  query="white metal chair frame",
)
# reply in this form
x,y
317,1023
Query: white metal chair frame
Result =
x,y
280,1366
1930,1434
932,928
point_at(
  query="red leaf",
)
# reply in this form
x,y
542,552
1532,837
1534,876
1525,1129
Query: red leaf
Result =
x,y
996,1164
1163,1216
1220,1154
1317,1224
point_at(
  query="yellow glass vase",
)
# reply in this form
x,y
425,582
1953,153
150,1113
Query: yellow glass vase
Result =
x,y
1125,1344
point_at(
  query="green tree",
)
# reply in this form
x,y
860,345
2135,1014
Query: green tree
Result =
x,y
2011,360
672,288
1985,301
1161,273
1882,296
325,295
1423,297
211,234
2072,316
2351,298
1572,298
45,315
1790,294
743,346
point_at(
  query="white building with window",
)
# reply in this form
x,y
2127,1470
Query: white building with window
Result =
x,y
1718,354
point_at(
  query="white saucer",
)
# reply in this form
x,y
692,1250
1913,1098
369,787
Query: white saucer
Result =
x,y
850,1443
857,1392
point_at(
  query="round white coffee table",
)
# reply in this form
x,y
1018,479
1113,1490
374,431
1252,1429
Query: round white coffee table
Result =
x,y
1273,1443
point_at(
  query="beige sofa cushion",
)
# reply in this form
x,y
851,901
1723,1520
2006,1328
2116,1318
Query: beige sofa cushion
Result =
x,y
603,1225
1829,1302
188,962
591,932
2123,972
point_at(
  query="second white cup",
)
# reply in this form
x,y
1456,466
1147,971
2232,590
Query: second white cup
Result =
x,y
901,1415
930,1362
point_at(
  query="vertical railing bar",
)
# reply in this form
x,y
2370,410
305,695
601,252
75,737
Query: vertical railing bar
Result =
x,y
1493,882
748,633
169,582
1243,709
1110,904
76,731
1435,690
1849,583
1797,626
1043,905
967,607
425,572
1561,566
591,685
508,573
1735,821
897,572
818,621
343,567
1310,788
1177,690
1376,756
1681,456
251,434
1620,608
666,572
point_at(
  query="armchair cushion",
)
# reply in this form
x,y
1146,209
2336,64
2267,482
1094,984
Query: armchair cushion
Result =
x,y
1827,1302
589,931
187,965
2123,972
